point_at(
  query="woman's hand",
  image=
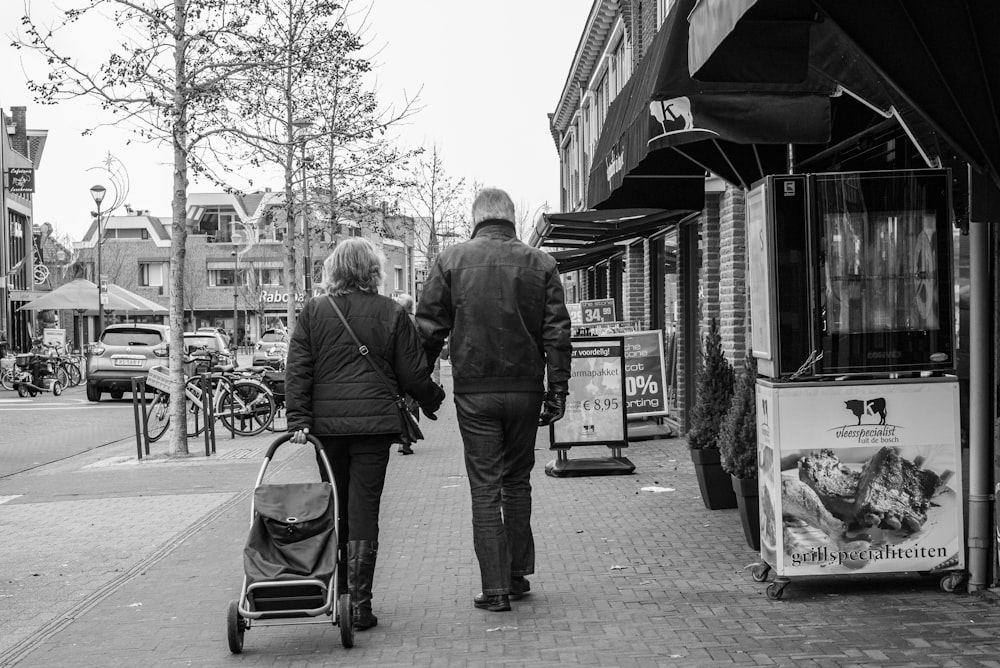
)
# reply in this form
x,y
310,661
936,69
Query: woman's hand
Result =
x,y
299,436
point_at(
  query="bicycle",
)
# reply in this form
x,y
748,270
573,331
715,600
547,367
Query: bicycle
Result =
x,y
7,372
244,406
275,382
66,365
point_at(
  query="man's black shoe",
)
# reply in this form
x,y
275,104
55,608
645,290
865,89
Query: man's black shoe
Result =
x,y
519,587
497,603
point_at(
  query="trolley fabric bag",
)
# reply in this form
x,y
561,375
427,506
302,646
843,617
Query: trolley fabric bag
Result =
x,y
294,533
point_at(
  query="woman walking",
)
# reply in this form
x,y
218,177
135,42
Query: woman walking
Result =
x,y
333,392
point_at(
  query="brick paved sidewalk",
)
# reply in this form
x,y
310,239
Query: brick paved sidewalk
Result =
x,y
625,578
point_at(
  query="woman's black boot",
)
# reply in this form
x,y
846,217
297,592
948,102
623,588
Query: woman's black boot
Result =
x,y
360,574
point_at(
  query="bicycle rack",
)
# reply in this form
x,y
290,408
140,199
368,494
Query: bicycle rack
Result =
x,y
139,399
207,403
141,427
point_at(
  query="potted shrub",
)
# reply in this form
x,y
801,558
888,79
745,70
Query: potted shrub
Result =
x,y
738,450
714,391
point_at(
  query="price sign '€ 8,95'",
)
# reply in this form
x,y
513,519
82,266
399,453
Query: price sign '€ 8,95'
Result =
x,y
595,406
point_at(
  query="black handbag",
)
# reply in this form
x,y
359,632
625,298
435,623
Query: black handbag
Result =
x,y
409,429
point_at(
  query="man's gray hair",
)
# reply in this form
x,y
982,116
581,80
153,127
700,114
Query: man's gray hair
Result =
x,y
492,204
405,300
355,264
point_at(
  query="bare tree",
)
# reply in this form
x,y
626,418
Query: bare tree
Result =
x,y
438,205
307,111
168,77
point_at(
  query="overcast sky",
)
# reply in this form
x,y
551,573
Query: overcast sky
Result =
x,y
490,72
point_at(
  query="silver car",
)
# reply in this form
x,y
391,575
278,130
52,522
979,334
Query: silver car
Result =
x,y
122,353
271,349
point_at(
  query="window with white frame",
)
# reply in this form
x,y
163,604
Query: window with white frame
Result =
x,y
218,278
398,273
151,274
217,222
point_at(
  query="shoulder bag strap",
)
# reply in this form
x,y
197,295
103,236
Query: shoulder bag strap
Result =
x,y
363,349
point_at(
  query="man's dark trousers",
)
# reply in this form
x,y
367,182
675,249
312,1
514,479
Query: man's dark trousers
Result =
x,y
499,430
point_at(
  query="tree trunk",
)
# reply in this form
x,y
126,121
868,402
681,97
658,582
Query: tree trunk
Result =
x,y
178,241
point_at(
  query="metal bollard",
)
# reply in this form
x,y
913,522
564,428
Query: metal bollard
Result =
x,y
140,430
206,402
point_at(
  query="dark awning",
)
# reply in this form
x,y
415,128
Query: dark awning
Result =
x,y
940,59
664,123
587,238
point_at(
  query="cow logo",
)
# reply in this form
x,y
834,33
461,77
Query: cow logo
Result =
x,y
863,407
673,116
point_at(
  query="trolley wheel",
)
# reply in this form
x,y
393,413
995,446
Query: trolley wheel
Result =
x,y
776,589
236,626
22,391
57,388
32,393
346,620
759,571
950,582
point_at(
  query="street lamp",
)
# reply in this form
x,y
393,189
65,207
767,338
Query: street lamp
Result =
x,y
302,125
97,192
236,312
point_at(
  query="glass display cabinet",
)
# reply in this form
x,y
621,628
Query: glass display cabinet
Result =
x,y
851,273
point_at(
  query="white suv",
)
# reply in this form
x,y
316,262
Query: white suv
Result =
x,y
123,352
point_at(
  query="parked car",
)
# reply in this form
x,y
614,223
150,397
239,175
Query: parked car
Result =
x,y
271,349
121,353
212,340
221,332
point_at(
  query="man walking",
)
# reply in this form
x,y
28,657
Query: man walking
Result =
x,y
501,303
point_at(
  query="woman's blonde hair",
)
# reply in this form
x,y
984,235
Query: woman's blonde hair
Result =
x,y
355,264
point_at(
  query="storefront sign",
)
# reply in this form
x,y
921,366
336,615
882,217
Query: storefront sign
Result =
x,y
592,312
595,406
645,383
21,180
276,297
860,477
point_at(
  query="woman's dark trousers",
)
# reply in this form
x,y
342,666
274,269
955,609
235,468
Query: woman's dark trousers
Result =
x,y
498,431
359,465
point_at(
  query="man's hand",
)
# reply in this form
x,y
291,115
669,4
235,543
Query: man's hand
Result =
x,y
553,407
299,436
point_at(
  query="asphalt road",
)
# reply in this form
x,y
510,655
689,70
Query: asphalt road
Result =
x,y
45,429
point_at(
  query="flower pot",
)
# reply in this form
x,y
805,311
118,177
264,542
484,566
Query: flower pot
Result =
x,y
748,502
714,483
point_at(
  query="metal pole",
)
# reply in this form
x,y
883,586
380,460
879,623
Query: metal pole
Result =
x,y
100,271
236,313
305,227
980,405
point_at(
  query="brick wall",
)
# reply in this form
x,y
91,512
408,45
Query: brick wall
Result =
x,y
19,140
709,247
648,23
635,296
732,277
708,306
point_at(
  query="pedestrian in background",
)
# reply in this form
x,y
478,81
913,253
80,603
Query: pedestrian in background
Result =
x,y
501,305
332,392
406,301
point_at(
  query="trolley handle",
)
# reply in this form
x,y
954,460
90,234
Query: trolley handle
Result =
x,y
284,438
